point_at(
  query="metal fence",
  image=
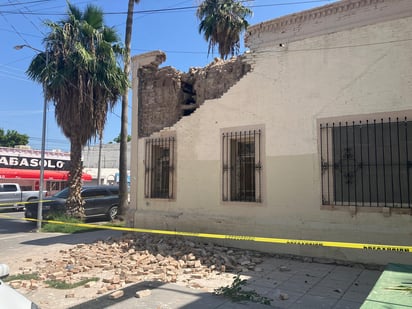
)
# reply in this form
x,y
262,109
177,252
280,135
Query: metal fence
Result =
x,y
366,163
241,166
159,167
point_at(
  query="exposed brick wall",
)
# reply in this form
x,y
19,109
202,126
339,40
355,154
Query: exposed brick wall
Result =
x,y
166,94
160,96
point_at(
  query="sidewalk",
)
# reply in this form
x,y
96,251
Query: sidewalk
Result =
x,y
291,284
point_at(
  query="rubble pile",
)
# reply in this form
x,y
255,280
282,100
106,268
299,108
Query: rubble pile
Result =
x,y
142,257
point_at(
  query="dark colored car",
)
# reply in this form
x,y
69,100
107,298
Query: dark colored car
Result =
x,y
99,201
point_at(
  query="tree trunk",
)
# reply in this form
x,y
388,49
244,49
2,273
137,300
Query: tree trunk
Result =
x,y
123,186
74,203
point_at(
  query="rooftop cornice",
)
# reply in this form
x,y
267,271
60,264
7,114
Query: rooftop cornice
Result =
x,y
340,15
8,151
311,15
154,57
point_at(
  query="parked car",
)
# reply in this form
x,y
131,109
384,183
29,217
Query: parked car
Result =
x,y
100,201
9,297
11,193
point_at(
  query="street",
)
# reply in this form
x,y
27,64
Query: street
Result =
x,y
12,222
305,284
19,239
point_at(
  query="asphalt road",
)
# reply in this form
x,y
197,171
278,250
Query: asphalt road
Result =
x,y
17,235
11,223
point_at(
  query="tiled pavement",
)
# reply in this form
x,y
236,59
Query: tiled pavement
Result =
x,y
302,285
313,285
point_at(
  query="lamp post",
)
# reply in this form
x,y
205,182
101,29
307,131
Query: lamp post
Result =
x,y
43,142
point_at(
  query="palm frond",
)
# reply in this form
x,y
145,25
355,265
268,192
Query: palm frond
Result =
x,y
222,22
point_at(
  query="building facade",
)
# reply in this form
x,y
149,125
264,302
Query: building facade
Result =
x,y
314,143
22,166
108,155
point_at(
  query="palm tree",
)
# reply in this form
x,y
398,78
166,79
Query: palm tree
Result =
x,y
81,76
222,22
123,187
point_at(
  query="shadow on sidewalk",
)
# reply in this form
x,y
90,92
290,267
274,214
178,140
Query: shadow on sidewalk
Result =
x,y
165,295
11,225
129,293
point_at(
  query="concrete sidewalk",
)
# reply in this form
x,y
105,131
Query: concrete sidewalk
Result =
x,y
289,283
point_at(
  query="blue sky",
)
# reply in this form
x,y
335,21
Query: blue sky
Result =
x,y
167,25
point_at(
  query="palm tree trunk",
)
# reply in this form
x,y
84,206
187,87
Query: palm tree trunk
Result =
x,y
74,203
123,186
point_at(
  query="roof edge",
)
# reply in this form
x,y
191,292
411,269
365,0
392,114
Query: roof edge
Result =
x,y
338,16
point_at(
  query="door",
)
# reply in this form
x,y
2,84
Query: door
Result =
x,y
96,201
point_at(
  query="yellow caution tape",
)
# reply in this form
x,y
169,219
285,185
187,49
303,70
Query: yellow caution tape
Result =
x,y
22,203
300,242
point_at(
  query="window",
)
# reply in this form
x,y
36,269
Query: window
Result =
x,y
55,185
114,190
159,167
99,192
367,163
9,188
242,166
62,194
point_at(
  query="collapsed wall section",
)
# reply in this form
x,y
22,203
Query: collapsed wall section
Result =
x,y
166,95
159,99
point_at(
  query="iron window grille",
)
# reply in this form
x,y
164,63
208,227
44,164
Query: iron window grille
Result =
x,y
241,166
159,167
366,163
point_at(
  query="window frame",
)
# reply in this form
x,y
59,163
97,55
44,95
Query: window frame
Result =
x,y
229,139
327,163
166,141
7,187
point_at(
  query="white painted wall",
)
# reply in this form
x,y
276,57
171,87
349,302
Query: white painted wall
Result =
x,y
364,70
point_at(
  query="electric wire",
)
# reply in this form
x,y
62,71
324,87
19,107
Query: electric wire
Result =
x,y
177,9
141,12
29,20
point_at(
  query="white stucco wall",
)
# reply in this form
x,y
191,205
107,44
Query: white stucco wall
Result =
x,y
365,70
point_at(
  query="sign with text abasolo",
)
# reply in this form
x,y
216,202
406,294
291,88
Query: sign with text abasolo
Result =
x,y
33,163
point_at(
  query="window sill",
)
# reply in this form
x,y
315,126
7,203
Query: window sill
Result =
x,y
386,211
239,203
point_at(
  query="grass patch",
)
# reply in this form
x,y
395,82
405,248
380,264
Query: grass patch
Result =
x,y
70,228
64,228
61,285
236,293
33,276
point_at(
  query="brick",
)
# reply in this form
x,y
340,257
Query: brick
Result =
x,y
117,294
134,259
143,293
90,284
16,284
102,290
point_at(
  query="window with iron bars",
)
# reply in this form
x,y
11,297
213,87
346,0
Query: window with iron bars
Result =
x,y
241,166
367,163
159,167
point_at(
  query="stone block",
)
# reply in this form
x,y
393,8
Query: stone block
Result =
x,y
143,293
117,294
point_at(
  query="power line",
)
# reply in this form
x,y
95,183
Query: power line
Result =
x,y
26,34
175,9
14,28
27,2
30,21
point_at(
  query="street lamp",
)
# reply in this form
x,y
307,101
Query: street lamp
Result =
x,y
43,142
